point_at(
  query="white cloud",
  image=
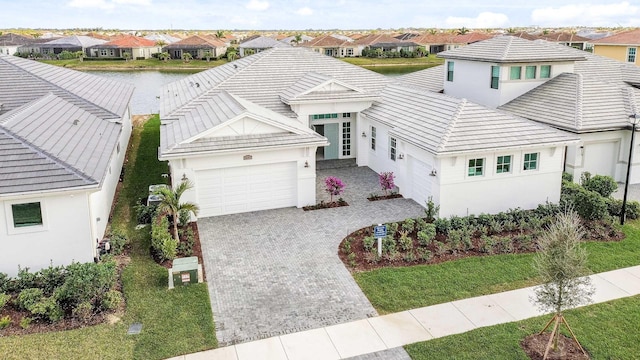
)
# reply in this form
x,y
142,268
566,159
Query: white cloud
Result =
x,y
101,4
257,5
621,13
133,2
305,11
483,20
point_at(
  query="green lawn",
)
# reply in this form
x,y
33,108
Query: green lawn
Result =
x,y
607,331
397,289
174,322
364,61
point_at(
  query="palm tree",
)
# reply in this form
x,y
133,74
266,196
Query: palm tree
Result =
x,y
463,30
79,54
161,44
126,56
231,55
207,55
297,39
187,57
164,56
171,205
219,34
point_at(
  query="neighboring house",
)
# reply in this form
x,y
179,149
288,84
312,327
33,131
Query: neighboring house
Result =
x,y
258,44
435,43
568,89
63,138
384,42
136,47
291,40
248,135
197,46
10,43
70,43
563,38
624,46
406,36
166,38
331,45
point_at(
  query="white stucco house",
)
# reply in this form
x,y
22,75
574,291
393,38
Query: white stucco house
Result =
x,y
587,95
63,138
248,135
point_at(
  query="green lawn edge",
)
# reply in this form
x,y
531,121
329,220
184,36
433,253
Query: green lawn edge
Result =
x,y
397,289
174,322
607,331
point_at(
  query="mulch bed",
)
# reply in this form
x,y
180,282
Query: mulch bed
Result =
x,y
384,197
363,262
325,205
535,346
197,250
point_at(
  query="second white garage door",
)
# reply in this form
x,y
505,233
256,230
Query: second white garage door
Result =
x,y
246,188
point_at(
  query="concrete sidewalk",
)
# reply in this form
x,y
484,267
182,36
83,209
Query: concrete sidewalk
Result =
x,y
398,329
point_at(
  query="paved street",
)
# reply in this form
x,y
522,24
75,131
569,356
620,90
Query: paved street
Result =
x,y
277,272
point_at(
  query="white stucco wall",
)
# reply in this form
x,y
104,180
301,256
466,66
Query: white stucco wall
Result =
x,y
101,201
64,237
306,176
461,194
604,153
472,81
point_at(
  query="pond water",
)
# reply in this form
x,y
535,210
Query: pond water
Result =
x,y
148,83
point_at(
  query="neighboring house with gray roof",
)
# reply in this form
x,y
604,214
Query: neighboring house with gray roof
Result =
x,y
259,44
248,134
63,137
70,43
10,43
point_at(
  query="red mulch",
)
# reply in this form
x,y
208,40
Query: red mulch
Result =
x,y
535,346
384,197
197,250
325,205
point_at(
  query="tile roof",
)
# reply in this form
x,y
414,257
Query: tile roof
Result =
x,y
312,86
431,79
126,42
631,37
197,41
75,41
552,37
162,37
59,126
262,42
579,104
447,38
441,124
11,39
377,38
510,49
326,41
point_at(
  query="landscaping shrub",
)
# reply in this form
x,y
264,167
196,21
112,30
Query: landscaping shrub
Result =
x,y
164,245
29,297
86,282
457,222
443,226
24,280
421,224
392,229
567,177
5,282
83,312
188,240
603,185
144,214
183,218
590,205
111,300
118,241
431,210
334,186
51,278
368,243
47,308
426,236
4,322
388,244
408,225
614,206
406,243
386,181
25,322
4,299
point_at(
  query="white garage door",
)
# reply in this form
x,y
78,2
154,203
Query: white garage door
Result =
x,y
246,188
600,158
420,180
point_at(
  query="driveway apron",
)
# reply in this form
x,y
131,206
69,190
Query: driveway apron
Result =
x,y
277,272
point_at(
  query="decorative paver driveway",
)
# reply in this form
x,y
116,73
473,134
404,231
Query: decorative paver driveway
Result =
x,y
277,272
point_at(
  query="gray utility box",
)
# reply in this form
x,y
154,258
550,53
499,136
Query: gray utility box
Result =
x,y
185,271
155,199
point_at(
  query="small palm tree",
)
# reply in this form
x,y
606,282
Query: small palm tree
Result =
x,y
463,30
231,55
126,56
297,39
164,56
219,34
207,55
187,57
170,204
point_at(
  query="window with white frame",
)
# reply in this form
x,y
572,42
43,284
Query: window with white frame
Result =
x,y
26,214
392,148
530,72
631,54
545,71
530,161
515,72
449,70
373,138
503,164
495,76
346,138
476,167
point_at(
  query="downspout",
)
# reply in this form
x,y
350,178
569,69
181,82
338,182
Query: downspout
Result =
x,y
564,160
94,246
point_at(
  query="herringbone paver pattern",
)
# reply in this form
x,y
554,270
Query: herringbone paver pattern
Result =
x,y
277,272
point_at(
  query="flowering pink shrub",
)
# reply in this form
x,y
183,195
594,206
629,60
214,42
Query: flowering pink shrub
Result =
x,y
334,186
386,181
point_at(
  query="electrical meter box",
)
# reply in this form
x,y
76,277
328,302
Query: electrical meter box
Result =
x,y
185,271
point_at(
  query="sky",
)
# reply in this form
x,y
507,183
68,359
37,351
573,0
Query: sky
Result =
x,y
314,14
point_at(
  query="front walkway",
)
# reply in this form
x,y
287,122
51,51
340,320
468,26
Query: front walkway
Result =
x,y
277,272
394,330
